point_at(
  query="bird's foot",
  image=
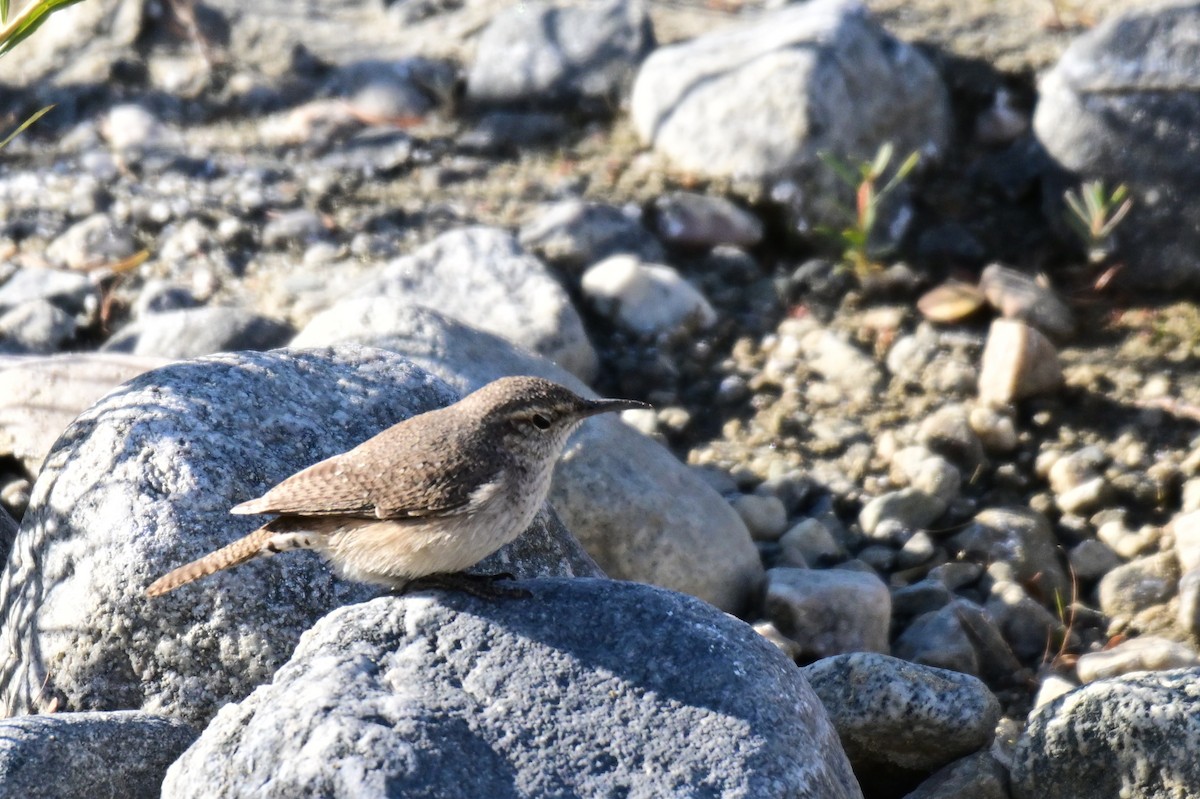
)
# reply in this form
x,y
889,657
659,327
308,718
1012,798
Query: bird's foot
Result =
x,y
484,586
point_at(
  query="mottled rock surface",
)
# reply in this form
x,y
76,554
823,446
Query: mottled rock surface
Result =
x,y
590,688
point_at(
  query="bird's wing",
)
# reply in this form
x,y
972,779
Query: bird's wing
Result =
x,y
379,483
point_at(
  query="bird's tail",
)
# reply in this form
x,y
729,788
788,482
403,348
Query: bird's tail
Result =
x,y
263,541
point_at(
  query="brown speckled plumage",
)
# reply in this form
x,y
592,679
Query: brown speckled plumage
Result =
x,y
433,494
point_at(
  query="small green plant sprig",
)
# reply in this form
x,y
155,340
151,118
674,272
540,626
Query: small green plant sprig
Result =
x,y
863,178
31,17
17,30
1094,214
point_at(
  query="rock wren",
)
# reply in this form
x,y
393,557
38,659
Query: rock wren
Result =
x,y
430,496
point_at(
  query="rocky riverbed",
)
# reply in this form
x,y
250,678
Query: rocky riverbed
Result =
x,y
915,514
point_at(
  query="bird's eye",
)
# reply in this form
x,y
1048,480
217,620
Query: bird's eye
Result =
x,y
540,422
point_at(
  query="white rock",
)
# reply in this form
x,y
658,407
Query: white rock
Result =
x,y
649,299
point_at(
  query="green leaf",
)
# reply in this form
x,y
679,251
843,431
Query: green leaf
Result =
x,y
36,116
28,21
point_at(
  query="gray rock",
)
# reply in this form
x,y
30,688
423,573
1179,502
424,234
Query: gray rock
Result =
x,y
37,327
979,776
541,55
995,429
925,596
1144,653
894,715
947,431
507,132
574,234
920,548
637,510
78,43
129,126
1018,296
590,688
482,277
1119,101
294,228
764,516
761,100
1188,614
72,755
74,292
646,299
908,508
8,534
193,332
927,472
829,611
1091,559
1030,629
841,363
1186,528
1128,736
382,89
92,242
1023,539
698,220
1138,585
811,542
160,296
42,395
938,638
142,482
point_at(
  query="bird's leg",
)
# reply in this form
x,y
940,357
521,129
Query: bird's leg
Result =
x,y
484,586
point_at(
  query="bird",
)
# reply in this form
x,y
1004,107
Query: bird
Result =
x,y
424,499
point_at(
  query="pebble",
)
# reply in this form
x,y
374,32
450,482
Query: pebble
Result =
x,y
95,241
1092,559
574,234
700,220
1018,362
947,432
1186,528
647,299
995,428
892,714
909,508
937,638
36,327
1029,628
764,516
1144,653
1052,687
1188,614
829,611
924,596
1017,296
1140,584
72,291
810,542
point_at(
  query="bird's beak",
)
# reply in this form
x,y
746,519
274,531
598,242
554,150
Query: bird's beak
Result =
x,y
594,407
